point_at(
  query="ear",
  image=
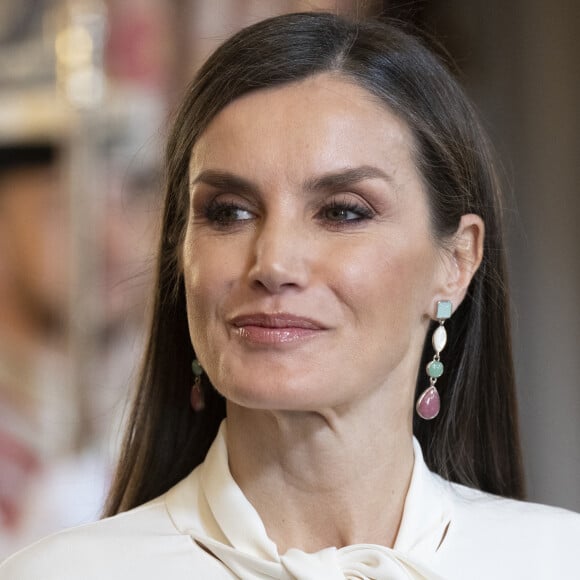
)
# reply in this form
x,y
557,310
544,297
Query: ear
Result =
x,y
464,253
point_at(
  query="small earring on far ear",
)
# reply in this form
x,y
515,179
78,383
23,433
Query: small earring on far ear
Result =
x,y
429,403
196,398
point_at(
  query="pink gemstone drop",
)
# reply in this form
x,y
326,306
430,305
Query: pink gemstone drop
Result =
x,y
429,404
196,399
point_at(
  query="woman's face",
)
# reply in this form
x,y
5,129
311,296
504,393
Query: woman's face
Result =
x,y
310,269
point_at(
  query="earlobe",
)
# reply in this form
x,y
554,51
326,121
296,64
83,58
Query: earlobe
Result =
x,y
465,254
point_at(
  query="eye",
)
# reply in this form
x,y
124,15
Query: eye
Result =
x,y
345,211
225,212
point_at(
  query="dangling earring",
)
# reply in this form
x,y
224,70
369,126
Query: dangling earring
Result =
x,y
197,402
429,402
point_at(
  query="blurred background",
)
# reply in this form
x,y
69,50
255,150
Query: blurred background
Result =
x,y
86,87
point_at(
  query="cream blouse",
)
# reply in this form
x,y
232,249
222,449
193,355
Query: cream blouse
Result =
x,y
205,528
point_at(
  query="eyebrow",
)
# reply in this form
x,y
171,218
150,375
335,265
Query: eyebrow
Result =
x,y
224,180
340,179
333,180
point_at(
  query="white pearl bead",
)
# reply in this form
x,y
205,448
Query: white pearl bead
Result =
x,y
439,339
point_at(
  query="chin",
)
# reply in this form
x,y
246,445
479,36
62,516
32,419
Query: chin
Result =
x,y
272,395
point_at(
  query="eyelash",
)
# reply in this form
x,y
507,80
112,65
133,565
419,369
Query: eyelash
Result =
x,y
217,212
362,211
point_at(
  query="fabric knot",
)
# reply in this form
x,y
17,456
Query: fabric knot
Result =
x,y
370,562
357,562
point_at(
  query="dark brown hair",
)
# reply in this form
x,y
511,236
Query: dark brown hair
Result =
x,y
14,156
474,440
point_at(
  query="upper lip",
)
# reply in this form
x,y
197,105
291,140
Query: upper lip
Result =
x,y
276,320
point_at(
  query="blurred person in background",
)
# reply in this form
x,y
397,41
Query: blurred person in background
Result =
x,y
62,389
34,268
46,481
58,433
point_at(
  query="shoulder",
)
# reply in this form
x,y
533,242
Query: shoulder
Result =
x,y
472,503
518,536
133,544
79,550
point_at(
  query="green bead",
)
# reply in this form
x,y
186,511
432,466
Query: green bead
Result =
x,y
435,369
196,368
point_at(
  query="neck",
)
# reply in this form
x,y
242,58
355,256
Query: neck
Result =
x,y
321,479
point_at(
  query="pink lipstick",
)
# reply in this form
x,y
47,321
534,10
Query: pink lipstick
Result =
x,y
273,329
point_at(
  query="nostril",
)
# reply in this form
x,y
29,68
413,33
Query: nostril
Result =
x,y
279,273
275,278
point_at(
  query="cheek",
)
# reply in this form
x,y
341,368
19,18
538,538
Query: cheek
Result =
x,y
385,281
210,271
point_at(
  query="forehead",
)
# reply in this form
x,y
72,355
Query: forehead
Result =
x,y
318,124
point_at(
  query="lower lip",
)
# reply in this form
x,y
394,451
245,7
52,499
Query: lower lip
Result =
x,y
272,336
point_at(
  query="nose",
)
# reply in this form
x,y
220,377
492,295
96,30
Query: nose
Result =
x,y
280,257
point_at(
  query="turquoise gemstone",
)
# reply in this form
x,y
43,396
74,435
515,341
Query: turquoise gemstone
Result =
x,y
435,369
444,308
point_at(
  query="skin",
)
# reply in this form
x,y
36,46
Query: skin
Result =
x,y
35,241
319,425
33,253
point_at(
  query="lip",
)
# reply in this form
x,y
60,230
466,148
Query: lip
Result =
x,y
276,328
